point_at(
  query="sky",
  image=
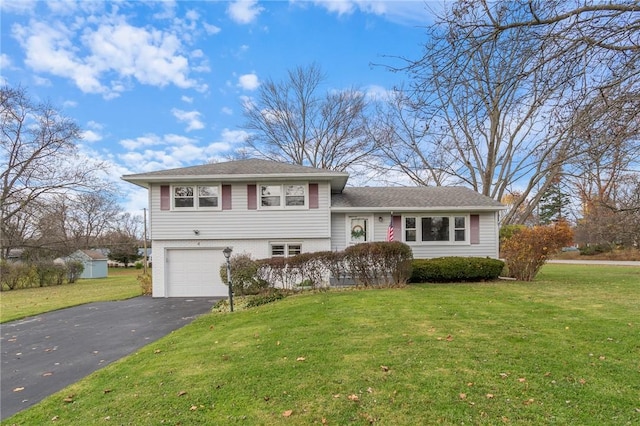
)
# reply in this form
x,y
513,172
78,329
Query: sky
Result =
x,y
160,84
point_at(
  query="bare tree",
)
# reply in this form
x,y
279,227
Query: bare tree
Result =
x,y
292,121
484,115
39,158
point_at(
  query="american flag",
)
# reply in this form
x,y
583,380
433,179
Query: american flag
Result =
x,y
390,230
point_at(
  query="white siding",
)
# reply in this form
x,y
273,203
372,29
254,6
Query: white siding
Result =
x,y
488,246
240,222
257,249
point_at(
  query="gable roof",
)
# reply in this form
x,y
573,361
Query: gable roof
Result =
x,y
398,199
240,170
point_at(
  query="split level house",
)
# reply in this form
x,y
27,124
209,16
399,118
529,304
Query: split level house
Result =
x,y
266,208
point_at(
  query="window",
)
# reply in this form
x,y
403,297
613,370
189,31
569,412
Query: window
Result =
x,y
409,228
435,229
270,195
459,228
195,197
286,249
283,196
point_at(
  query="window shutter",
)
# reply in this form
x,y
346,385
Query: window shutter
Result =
x,y
226,197
165,197
252,201
313,196
474,235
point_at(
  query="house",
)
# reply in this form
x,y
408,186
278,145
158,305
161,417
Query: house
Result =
x,y
95,263
265,208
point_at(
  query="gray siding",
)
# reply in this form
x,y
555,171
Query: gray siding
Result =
x,y
488,246
240,222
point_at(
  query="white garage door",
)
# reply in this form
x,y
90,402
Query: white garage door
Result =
x,y
194,273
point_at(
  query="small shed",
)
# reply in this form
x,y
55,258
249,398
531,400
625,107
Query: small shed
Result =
x,y
95,263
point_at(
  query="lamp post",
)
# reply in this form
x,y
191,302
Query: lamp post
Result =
x,y
227,254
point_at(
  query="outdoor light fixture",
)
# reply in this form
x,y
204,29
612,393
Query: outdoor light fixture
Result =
x,y
227,254
380,219
195,231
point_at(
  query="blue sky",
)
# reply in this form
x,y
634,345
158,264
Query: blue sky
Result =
x,y
157,85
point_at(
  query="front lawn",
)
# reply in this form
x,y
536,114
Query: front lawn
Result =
x,y
564,349
120,284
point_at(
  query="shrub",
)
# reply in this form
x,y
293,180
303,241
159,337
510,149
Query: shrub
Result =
x,y
138,265
456,269
379,263
244,271
146,284
74,270
595,249
267,297
16,275
529,248
50,273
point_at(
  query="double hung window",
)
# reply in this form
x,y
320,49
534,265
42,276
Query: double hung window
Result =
x,y
196,197
283,196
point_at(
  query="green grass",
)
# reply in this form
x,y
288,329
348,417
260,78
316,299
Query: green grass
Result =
x,y
562,350
120,284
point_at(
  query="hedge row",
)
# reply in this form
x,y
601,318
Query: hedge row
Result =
x,y
18,275
368,264
455,269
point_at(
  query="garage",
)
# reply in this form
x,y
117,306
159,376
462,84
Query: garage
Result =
x,y
194,273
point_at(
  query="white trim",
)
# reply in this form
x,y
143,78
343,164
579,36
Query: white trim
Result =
x,y
196,203
282,195
452,229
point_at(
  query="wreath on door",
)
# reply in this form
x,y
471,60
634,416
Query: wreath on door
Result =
x,y
357,231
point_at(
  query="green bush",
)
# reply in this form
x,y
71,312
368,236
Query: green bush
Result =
x,y
455,269
74,270
266,297
50,273
244,272
592,250
17,275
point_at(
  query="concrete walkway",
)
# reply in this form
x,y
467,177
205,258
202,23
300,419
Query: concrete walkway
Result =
x,y
45,353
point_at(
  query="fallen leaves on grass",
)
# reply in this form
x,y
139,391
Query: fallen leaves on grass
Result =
x,y
69,399
287,413
300,358
353,397
182,392
384,368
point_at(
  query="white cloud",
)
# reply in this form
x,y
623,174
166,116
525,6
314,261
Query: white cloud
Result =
x,y
192,118
234,136
91,136
5,61
211,29
18,6
141,141
186,99
111,50
249,81
403,12
244,11
226,110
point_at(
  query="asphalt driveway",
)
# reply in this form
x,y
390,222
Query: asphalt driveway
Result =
x,y
45,353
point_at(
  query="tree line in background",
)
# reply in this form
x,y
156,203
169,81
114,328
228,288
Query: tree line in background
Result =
x,y
53,201
534,103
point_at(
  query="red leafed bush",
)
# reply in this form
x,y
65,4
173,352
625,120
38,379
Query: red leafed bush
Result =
x,y
527,249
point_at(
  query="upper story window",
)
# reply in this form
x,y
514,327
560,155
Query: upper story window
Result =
x,y
435,229
283,196
196,197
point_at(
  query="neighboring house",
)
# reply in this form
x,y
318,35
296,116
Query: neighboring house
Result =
x,y
265,208
95,263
